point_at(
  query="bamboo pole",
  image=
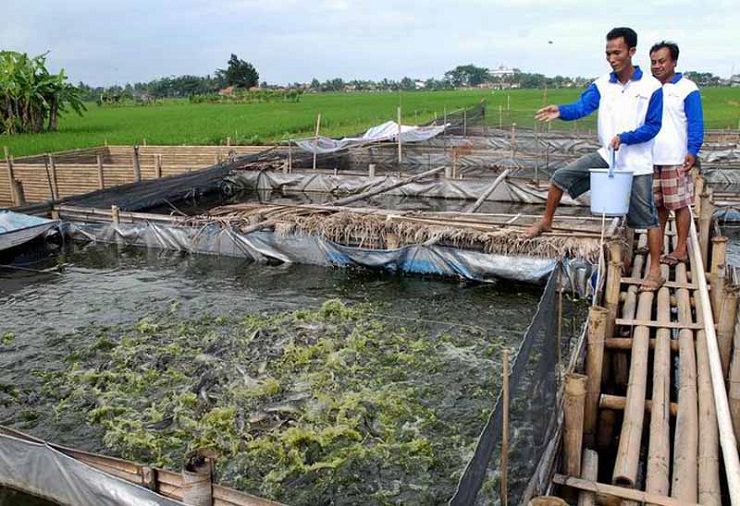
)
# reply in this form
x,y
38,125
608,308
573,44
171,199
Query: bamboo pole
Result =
x,y
726,435
717,275
590,472
629,307
734,379
659,446
686,444
316,138
594,363
705,223
400,131
628,453
377,191
505,432
101,177
574,405
625,343
618,403
726,328
475,206
709,493
197,478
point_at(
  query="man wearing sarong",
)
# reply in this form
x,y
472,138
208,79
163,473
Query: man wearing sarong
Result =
x,y
676,146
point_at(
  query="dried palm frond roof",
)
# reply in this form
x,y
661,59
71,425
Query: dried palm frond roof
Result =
x,y
387,229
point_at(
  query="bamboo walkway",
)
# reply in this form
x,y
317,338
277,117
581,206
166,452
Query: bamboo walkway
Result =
x,y
650,421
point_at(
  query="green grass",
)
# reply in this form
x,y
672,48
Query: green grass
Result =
x,y
179,122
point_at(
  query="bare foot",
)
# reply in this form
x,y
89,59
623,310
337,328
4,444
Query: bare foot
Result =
x,y
536,229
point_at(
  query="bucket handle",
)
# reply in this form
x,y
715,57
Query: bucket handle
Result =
x,y
613,164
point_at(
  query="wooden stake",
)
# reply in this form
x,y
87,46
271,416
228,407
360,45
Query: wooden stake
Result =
x,y
158,166
573,408
115,214
11,176
371,170
505,432
501,117
316,138
136,164
54,182
594,363
101,176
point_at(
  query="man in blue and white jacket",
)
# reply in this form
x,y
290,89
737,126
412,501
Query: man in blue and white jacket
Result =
x,y
630,108
676,145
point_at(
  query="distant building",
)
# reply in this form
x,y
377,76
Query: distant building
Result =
x,y
502,72
228,91
735,80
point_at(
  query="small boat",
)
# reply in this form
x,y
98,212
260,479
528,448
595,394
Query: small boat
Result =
x,y
17,228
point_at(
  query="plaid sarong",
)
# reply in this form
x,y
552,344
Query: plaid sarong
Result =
x,y
672,190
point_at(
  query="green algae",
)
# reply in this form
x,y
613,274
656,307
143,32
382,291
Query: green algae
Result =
x,y
337,404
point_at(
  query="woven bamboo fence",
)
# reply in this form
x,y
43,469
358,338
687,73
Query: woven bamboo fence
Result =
x,y
57,175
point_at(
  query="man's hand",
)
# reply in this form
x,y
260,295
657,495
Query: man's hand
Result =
x,y
548,113
615,143
688,163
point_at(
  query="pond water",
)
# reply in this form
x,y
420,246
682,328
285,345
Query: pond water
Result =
x,y
59,299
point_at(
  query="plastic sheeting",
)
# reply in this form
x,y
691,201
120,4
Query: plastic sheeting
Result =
x,y
533,414
308,249
512,189
387,131
39,469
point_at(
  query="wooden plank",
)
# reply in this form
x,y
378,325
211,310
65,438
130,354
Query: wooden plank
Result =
x,y
615,491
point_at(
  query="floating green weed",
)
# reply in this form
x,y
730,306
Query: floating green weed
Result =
x,y
307,407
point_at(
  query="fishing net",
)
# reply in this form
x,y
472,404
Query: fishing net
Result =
x,y
533,416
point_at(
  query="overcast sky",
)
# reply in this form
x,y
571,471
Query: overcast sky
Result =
x,y
103,43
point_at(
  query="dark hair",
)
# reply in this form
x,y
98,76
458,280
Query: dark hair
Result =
x,y
628,34
671,46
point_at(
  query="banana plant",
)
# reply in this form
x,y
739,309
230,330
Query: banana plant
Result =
x,y
32,98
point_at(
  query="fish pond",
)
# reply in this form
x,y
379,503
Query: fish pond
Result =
x,y
313,385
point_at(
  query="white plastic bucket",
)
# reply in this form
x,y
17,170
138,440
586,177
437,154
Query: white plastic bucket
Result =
x,y
610,191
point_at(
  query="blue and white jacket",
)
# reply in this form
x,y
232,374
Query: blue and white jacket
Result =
x,y
683,122
633,111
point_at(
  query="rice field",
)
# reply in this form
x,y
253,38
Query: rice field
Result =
x,y
175,122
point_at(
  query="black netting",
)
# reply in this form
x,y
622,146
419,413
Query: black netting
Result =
x,y
154,192
532,417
